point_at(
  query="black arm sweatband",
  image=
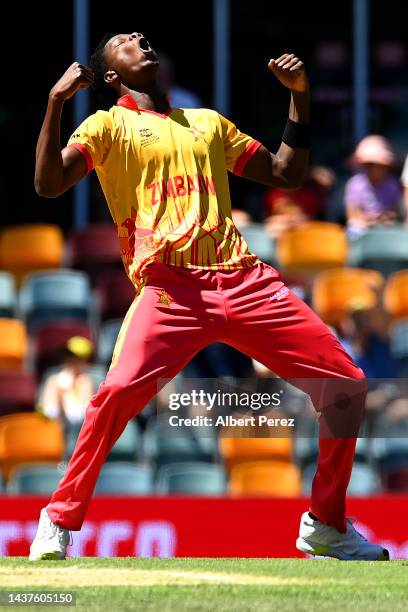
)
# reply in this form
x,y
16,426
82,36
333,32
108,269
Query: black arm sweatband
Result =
x,y
296,135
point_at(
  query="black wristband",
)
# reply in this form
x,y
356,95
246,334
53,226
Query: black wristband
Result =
x,y
296,135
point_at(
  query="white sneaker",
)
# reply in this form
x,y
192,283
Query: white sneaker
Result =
x,y
316,538
50,541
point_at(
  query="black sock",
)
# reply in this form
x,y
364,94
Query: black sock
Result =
x,y
312,516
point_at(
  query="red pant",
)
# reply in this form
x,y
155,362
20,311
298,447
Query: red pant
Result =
x,y
178,313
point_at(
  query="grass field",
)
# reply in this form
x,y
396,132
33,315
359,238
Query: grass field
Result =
x,y
224,585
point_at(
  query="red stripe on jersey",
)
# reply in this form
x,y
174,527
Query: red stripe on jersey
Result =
x,y
82,149
244,158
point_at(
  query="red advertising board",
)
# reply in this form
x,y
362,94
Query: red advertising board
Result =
x,y
198,527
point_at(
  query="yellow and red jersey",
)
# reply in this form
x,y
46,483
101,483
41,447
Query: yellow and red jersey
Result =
x,y
165,179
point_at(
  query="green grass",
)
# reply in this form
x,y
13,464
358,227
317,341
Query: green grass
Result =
x,y
221,585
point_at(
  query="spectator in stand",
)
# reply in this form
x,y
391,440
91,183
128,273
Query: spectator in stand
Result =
x,y
179,97
365,338
285,209
67,393
372,196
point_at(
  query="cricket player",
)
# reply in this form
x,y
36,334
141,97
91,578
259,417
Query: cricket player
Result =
x,y
164,175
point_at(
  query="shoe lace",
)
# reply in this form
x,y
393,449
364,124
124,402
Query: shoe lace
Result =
x,y
351,520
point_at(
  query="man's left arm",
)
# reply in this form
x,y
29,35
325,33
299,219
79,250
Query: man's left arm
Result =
x,y
287,168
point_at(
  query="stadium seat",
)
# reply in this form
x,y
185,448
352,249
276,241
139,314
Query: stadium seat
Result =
x,y
17,391
27,248
164,447
116,293
8,295
191,479
396,295
94,247
41,479
259,242
55,295
123,478
336,291
49,339
364,480
13,346
128,446
108,334
243,450
311,247
265,478
383,248
391,450
399,339
306,449
29,437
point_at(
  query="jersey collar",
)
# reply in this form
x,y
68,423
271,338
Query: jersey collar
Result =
x,y
128,102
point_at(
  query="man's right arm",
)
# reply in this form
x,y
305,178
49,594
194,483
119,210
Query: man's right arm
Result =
x,y
57,170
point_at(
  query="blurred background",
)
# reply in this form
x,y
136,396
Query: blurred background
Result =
x,y
341,242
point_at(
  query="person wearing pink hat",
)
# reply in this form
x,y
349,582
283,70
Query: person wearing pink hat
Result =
x,y
372,196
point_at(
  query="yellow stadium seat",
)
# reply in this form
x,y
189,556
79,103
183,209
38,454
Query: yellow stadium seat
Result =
x,y
29,437
396,295
27,248
312,247
265,478
242,450
336,291
13,344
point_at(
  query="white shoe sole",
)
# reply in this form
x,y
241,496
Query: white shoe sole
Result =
x,y
46,556
326,551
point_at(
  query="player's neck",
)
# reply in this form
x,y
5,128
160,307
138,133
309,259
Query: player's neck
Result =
x,y
151,97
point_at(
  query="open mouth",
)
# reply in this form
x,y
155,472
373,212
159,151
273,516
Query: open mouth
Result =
x,y
144,44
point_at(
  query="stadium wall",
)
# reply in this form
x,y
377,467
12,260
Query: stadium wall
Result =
x,y
197,527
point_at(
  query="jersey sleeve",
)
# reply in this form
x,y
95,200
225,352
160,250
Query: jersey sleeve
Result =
x,y
238,147
93,138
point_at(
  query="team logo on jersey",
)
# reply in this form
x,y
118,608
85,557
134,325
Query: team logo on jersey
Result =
x,y
147,137
164,298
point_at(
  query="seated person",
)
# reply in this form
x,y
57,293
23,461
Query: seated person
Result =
x,y
372,196
67,393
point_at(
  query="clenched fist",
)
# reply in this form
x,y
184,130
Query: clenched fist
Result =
x,y
290,71
76,77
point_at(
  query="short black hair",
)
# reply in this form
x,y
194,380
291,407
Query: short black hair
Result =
x,y
106,95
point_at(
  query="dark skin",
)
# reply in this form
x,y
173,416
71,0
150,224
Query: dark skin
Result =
x,y
132,69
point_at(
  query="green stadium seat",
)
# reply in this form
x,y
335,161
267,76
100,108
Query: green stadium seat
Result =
x,y
123,478
191,479
34,479
127,448
163,445
107,339
364,480
259,242
54,295
8,295
382,248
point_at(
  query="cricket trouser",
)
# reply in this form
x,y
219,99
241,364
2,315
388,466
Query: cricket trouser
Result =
x,y
176,314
